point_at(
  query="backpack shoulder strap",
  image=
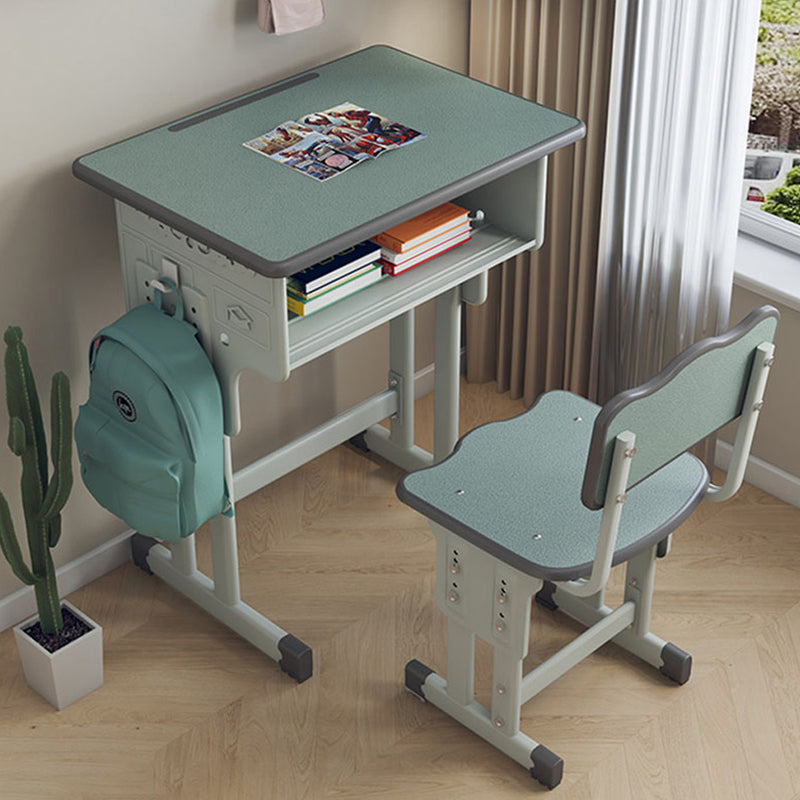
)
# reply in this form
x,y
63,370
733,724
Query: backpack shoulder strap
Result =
x,y
148,341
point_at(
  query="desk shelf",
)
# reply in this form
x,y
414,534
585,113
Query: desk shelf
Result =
x,y
312,336
267,341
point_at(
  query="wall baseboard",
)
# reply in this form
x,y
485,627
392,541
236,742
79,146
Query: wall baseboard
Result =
x,y
762,475
71,577
423,380
112,554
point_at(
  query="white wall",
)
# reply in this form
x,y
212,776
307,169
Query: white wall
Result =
x,y
777,439
82,74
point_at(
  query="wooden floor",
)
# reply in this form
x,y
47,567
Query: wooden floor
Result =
x,y
188,710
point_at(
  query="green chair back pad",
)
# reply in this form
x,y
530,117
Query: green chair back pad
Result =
x,y
699,391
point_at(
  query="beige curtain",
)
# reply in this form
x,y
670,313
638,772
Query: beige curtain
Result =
x,y
534,332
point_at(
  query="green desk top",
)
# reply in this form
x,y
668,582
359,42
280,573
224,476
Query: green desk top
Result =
x,y
195,175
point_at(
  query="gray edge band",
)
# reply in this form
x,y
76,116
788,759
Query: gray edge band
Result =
x,y
281,269
595,459
531,567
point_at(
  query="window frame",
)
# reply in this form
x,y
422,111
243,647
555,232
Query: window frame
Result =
x,y
771,228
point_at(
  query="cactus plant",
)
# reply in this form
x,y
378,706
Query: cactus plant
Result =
x,y
43,497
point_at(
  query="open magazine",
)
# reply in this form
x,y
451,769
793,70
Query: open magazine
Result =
x,y
325,143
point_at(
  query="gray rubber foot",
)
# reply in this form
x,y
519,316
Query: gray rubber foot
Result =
x,y
544,597
677,664
297,660
416,674
140,547
359,442
548,768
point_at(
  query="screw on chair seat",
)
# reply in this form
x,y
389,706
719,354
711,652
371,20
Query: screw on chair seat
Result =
x,y
513,488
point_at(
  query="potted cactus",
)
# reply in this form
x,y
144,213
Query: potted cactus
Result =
x,y
61,649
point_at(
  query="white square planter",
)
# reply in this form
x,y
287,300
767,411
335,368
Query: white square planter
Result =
x,y
68,674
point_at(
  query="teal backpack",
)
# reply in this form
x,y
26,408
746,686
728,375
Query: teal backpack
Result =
x,y
150,436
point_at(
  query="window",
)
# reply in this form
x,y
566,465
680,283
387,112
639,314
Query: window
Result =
x,y
771,181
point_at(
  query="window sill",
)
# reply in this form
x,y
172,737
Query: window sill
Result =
x,y
765,268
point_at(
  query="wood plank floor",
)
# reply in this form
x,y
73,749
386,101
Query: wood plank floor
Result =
x,y
190,711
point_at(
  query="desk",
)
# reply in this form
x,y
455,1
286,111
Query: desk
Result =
x,y
229,226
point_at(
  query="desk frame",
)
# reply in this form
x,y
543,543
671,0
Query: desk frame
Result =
x,y
194,205
196,278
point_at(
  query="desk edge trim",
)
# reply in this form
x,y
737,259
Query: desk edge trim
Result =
x,y
288,266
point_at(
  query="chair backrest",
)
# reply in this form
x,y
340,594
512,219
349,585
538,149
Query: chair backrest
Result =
x,y
699,391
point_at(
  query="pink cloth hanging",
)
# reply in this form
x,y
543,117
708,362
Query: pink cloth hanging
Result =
x,y
288,16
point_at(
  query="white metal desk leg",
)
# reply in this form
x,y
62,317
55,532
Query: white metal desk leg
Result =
x,y
397,444
401,378
447,355
224,552
184,555
220,597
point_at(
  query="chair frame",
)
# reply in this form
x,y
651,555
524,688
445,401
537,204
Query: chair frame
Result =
x,y
469,581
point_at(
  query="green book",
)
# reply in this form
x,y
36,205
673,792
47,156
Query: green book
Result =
x,y
303,307
297,292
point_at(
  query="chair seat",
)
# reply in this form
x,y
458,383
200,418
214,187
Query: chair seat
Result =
x,y
513,488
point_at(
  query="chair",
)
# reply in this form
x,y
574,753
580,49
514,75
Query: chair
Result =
x,y
533,506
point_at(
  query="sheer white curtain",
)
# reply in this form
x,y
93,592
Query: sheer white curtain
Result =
x,y
677,125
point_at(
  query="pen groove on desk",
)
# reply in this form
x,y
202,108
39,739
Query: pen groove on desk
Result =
x,y
242,101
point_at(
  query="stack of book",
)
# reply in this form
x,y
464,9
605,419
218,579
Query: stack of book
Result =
x,y
333,278
416,240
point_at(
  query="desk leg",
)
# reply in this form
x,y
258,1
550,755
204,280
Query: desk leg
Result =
x,y
224,551
184,555
401,378
447,356
220,597
397,444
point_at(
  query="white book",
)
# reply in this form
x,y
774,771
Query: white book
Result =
x,y
303,308
442,247
431,244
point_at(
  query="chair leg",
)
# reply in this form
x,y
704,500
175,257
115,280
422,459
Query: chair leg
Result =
x,y
544,765
506,691
669,659
460,662
485,597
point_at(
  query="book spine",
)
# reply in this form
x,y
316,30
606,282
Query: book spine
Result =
x,y
430,244
394,269
295,306
390,268
332,269
299,294
412,240
385,240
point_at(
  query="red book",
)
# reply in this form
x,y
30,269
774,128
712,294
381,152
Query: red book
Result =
x,y
399,258
425,255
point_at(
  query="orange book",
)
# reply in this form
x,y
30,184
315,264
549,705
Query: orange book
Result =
x,y
416,231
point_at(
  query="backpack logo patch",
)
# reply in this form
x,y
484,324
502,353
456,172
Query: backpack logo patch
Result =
x,y
125,406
